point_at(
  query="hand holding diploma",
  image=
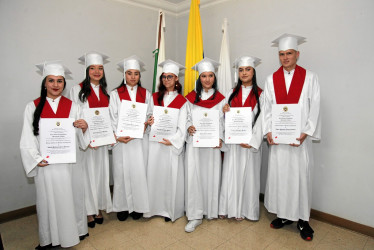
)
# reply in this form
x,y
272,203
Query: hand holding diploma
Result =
x,y
124,139
270,140
82,124
226,108
43,163
300,139
191,130
245,145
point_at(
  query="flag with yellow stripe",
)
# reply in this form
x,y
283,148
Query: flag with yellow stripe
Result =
x,y
194,48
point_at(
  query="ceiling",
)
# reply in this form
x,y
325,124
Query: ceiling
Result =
x,y
175,7
175,1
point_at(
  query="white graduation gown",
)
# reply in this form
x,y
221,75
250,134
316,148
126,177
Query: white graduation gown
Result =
x,y
55,193
240,189
95,168
130,192
203,169
165,171
289,182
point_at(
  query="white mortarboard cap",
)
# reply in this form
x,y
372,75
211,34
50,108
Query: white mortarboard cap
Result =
x,y
169,66
132,62
206,65
247,61
93,58
54,68
288,41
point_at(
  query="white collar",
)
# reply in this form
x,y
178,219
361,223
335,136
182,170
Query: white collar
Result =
x,y
95,86
53,100
132,88
288,73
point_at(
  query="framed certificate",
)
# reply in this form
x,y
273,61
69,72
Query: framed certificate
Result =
x,y
99,126
238,125
286,123
57,140
131,119
206,123
165,123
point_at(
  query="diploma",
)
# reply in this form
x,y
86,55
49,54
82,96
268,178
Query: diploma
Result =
x,y
238,125
57,140
286,123
206,123
165,123
131,119
99,126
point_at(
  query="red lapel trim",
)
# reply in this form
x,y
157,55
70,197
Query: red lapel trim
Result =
x,y
209,103
63,109
296,87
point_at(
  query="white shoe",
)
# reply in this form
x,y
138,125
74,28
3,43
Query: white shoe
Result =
x,y
191,225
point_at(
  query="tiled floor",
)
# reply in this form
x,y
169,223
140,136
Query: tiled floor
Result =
x,y
155,233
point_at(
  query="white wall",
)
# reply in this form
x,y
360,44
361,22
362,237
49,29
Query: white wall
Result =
x,y
339,49
32,31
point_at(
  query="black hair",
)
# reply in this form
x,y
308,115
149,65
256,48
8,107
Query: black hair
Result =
x,y
39,108
86,87
162,89
254,89
199,88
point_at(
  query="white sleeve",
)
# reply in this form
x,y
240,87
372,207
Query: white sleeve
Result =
x,y
113,109
189,121
178,139
313,123
29,144
267,107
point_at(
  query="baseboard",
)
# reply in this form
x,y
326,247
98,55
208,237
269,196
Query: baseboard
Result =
x,y
337,221
340,222
16,214
315,214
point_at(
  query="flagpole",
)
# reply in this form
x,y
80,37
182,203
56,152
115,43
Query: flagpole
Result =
x,y
156,52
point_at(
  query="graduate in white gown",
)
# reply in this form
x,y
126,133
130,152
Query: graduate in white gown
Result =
x,y
55,200
165,171
203,165
130,192
240,190
92,93
289,182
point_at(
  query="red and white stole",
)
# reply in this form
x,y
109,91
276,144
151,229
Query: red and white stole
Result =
x,y
94,102
209,103
123,94
296,87
63,109
177,103
251,101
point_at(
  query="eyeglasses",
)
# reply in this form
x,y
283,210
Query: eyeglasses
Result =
x,y
169,77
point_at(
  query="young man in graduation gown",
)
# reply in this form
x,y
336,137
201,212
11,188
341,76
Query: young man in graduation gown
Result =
x,y
289,182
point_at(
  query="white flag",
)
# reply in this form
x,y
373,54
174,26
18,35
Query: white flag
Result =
x,y
224,72
160,45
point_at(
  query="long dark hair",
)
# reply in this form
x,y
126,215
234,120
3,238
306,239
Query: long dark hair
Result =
x,y
199,88
39,108
162,89
254,89
86,88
